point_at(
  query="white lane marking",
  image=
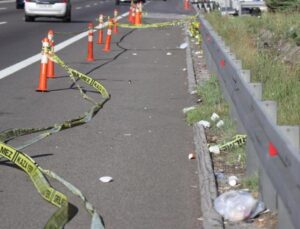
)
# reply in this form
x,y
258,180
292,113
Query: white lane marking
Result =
x,y
78,8
25,63
3,8
2,22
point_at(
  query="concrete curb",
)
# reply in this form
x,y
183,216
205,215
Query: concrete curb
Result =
x,y
208,190
189,63
207,182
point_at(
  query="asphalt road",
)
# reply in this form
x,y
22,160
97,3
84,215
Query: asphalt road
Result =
x,y
20,39
139,138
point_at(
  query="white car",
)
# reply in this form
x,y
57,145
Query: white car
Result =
x,y
48,8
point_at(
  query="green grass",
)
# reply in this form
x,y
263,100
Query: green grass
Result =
x,y
251,183
213,101
281,82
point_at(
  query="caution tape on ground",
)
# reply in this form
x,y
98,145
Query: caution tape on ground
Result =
x,y
37,173
238,140
158,25
28,165
194,31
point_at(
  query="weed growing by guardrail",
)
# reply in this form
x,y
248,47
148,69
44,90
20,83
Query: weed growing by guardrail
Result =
x,y
213,101
265,45
251,183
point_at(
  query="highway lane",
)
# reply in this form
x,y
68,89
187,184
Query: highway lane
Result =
x,y
139,138
20,40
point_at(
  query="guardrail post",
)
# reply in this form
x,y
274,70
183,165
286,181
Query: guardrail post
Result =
x,y
270,108
268,192
209,61
238,64
246,76
256,90
252,159
292,135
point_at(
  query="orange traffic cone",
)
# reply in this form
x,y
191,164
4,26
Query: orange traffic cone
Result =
x,y
50,69
43,67
132,18
140,6
129,14
137,20
115,21
186,4
100,32
108,36
90,54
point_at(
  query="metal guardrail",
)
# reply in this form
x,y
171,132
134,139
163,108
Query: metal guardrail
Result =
x,y
279,157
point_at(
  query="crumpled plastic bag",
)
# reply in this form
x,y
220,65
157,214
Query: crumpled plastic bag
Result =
x,y
238,205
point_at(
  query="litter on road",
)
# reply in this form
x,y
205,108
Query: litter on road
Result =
x,y
183,45
106,179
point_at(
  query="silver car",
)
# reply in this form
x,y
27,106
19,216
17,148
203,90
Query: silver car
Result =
x,y
48,8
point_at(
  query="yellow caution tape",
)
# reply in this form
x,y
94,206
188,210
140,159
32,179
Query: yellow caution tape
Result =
x,y
238,140
158,25
36,173
28,165
194,30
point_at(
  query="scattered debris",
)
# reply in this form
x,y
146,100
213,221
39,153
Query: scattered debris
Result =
x,y
183,45
214,149
238,205
220,124
204,123
192,156
214,117
233,181
106,179
169,53
187,109
127,134
184,69
134,54
194,92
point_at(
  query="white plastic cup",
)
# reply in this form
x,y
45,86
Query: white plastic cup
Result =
x,y
220,123
233,181
214,117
